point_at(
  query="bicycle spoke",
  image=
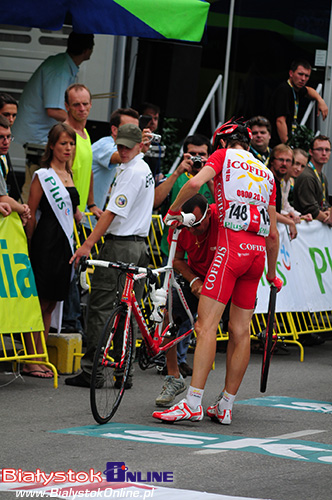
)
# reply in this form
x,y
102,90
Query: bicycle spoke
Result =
x,y
109,375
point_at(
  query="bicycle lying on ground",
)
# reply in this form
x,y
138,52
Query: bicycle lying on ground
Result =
x,y
155,322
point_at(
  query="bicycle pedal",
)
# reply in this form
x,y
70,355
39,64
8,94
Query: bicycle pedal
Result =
x,y
159,360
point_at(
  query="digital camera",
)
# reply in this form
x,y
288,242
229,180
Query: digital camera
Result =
x,y
197,162
155,138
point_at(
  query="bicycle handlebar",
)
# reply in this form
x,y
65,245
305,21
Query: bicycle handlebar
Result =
x,y
121,266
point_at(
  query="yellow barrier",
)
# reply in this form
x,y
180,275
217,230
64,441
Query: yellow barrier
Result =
x,y
284,328
20,308
288,325
9,352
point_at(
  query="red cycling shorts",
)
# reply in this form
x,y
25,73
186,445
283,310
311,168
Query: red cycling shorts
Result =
x,y
236,269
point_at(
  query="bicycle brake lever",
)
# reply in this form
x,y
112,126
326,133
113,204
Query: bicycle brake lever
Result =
x,y
151,276
82,265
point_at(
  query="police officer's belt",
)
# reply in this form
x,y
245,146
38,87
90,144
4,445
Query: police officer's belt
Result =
x,y
124,238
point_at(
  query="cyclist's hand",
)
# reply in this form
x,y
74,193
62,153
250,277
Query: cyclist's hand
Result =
x,y
275,282
173,218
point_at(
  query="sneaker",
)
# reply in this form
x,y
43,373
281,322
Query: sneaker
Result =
x,y
171,388
223,416
180,411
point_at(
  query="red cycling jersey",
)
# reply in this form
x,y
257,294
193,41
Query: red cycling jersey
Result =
x,y
200,249
244,189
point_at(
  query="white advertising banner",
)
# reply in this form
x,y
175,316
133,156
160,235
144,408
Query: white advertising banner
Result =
x,y
305,267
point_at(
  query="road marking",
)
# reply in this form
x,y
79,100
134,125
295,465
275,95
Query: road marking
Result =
x,y
291,435
294,449
209,452
295,435
290,404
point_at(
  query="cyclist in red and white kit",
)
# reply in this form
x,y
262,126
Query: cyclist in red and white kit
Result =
x,y
245,195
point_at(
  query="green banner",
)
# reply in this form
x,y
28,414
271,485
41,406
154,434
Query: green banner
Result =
x,y
20,309
180,19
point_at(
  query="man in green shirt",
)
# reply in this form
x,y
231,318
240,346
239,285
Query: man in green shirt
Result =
x,y
165,193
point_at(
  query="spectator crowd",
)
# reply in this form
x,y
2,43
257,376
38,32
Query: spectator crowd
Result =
x,y
118,179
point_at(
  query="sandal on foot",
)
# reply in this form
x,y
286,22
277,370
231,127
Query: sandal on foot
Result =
x,y
35,374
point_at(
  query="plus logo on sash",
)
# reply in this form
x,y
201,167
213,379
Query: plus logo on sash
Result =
x,y
55,192
59,200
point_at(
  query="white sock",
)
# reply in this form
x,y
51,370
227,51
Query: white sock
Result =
x,y
194,397
226,403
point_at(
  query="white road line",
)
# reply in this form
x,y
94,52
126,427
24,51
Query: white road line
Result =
x,y
291,435
294,435
208,452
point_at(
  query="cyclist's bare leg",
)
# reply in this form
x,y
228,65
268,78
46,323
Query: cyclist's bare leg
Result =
x,y
209,314
238,348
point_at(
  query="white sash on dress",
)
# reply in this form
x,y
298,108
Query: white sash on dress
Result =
x,y
59,199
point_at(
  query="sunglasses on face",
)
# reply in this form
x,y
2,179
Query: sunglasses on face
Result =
x,y
199,222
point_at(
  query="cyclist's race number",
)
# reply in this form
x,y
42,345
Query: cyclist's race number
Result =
x,y
238,215
239,212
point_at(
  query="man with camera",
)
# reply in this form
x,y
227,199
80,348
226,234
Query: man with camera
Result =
x,y
149,119
197,149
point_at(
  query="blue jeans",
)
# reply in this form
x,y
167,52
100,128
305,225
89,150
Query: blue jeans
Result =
x,y
72,307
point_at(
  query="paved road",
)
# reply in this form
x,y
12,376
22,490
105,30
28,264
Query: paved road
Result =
x,y
240,460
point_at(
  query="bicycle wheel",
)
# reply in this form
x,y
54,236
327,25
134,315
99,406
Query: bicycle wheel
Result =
x,y
267,352
105,394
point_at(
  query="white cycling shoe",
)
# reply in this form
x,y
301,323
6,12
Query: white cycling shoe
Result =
x,y
224,416
180,411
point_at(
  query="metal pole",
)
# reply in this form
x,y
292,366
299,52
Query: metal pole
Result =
x,y
228,55
200,115
132,70
205,105
327,96
326,125
118,75
311,106
213,113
